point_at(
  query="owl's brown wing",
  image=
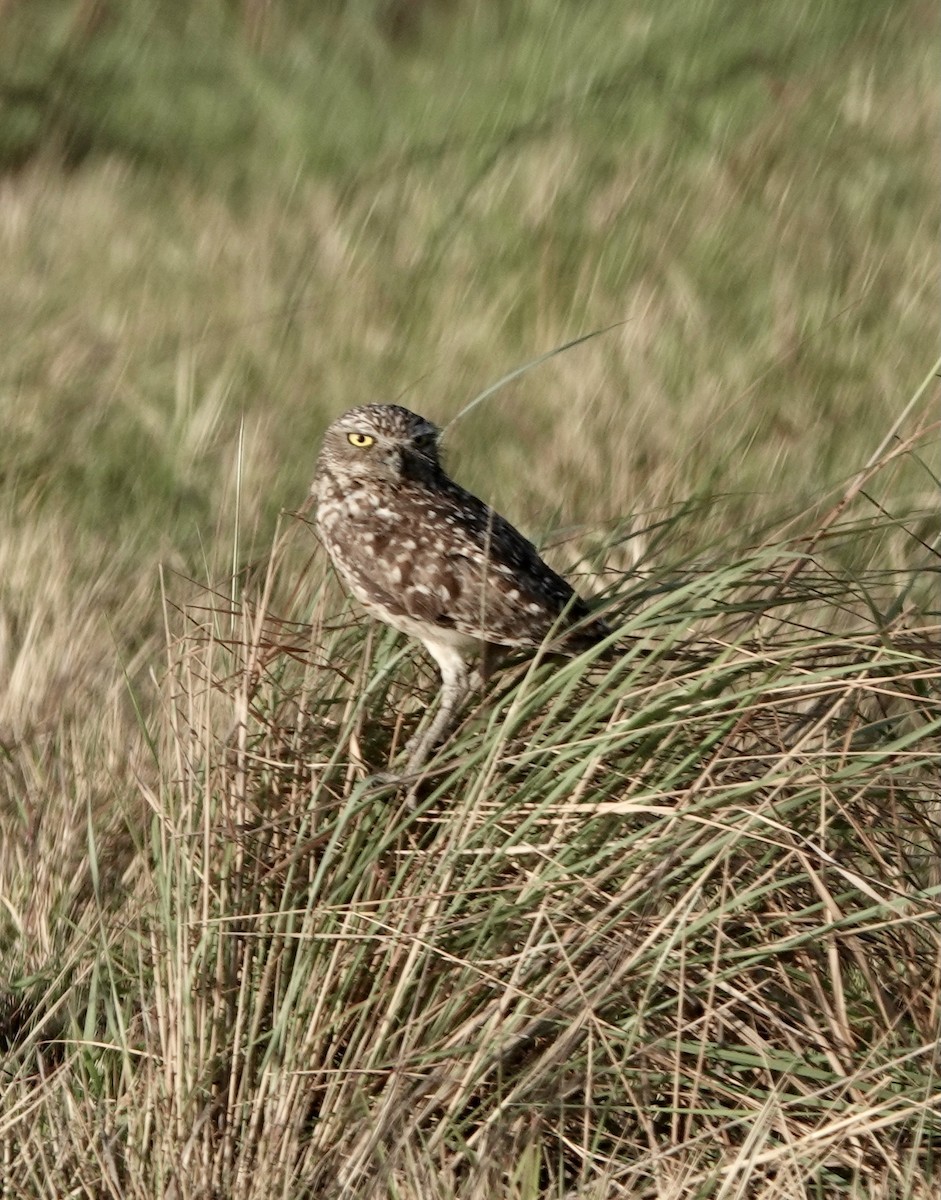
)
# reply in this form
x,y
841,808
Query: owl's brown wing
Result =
x,y
446,559
505,593
442,558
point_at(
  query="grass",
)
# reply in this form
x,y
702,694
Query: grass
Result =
x,y
665,926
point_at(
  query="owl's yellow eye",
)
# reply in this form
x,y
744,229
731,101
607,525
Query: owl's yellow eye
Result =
x,y
360,439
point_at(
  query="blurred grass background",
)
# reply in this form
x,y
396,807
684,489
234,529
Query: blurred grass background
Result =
x,y
268,212
223,223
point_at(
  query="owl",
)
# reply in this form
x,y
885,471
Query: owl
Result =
x,y
425,556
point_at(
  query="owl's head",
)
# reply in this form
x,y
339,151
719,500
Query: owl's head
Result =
x,y
380,442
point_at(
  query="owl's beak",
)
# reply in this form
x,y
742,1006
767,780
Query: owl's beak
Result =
x,y
391,461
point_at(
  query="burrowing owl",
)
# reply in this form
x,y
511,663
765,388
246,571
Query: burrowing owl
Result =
x,y
430,559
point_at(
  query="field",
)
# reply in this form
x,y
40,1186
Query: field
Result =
x,y
660,926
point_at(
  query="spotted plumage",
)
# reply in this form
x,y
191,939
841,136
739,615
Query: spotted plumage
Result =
x,y
430,559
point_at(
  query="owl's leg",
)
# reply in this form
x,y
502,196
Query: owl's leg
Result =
x,y
455,684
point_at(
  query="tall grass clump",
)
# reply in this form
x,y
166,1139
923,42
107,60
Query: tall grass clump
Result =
x,y
659,925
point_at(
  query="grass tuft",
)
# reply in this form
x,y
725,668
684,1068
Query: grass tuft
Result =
x,y
666,925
